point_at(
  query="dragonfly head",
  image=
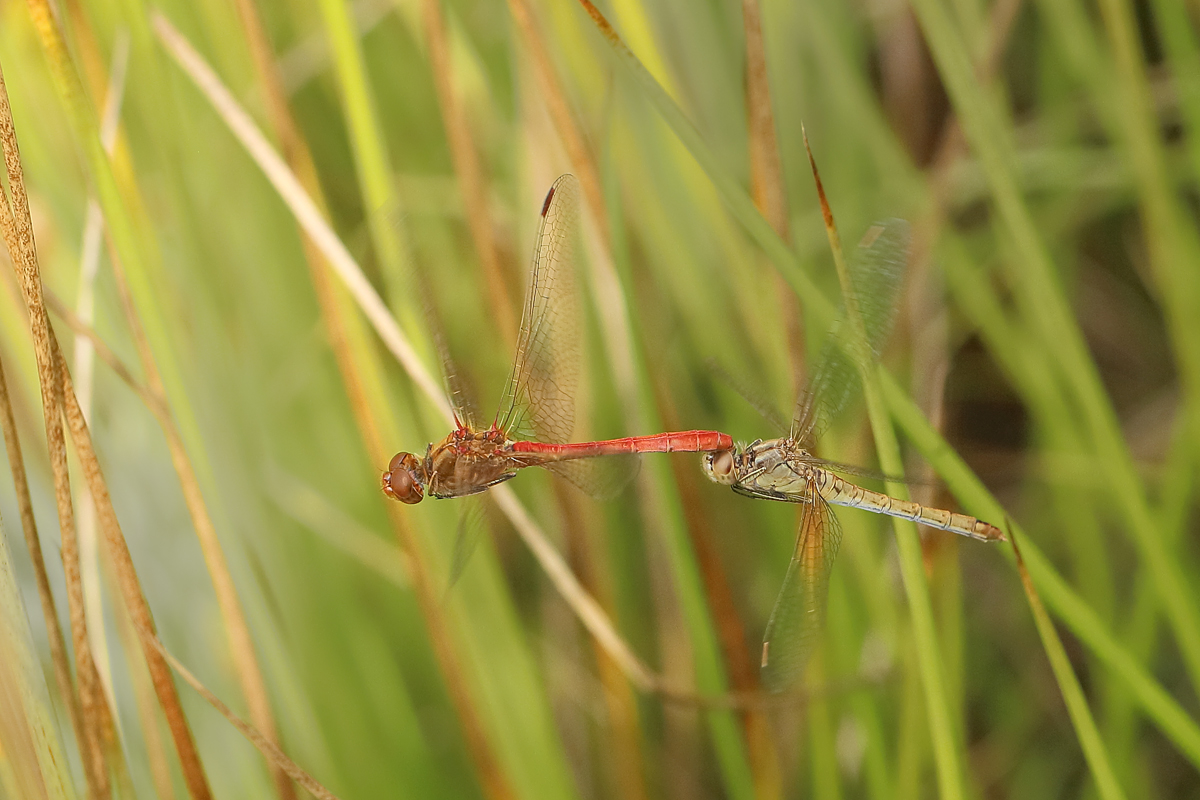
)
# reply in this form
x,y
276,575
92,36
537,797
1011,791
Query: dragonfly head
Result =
x,y
719,466
404,479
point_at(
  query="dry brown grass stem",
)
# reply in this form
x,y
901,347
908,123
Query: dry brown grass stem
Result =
x,y
18,236
70,90
265,746
241,643
471,181
157,751
767,185
103,351
54,632
130,586
233,616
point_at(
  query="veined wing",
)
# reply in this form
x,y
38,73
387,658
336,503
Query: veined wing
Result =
x,y
600,478
461,400
876,275
539,399
472,524
799,613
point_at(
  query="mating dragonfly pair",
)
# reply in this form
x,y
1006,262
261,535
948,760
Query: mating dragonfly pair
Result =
x,y
537,414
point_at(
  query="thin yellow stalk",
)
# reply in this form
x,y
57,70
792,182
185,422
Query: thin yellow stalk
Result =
x,y
18,236
241,643
157,751
89,264
471,181
264,744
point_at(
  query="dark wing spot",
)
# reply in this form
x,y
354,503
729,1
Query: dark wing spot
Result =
x,y
549,197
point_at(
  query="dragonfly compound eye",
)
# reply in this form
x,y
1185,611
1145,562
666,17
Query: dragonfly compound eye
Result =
x,y
402,481
719,466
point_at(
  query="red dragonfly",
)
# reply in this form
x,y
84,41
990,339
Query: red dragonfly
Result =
x,y
537,413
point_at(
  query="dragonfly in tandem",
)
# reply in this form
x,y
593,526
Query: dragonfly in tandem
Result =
x,y
785,469
536,417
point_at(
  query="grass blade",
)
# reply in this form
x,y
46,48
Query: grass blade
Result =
x,y
1072,692
946,741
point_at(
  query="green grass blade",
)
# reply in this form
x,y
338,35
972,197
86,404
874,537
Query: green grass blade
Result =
x,y
1035,280
1072,692
1171,718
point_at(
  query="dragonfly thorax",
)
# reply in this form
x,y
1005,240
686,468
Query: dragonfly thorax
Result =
x,y
467,462
769,468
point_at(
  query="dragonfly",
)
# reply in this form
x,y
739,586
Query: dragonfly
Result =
x,y
786,470
536,417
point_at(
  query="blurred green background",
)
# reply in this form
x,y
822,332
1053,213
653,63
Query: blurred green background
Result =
x,y
1043,152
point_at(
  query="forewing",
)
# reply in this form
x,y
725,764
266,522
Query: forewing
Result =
x,y
461,400
755,399
876,275
539,399
416,281
799,614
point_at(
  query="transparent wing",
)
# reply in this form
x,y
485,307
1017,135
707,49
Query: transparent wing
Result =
x,y
876,275
416,280
755,399
799,612
461,400
539,399
471,526
601,478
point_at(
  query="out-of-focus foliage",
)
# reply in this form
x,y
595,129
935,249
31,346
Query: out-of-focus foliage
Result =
x,y
1046,155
